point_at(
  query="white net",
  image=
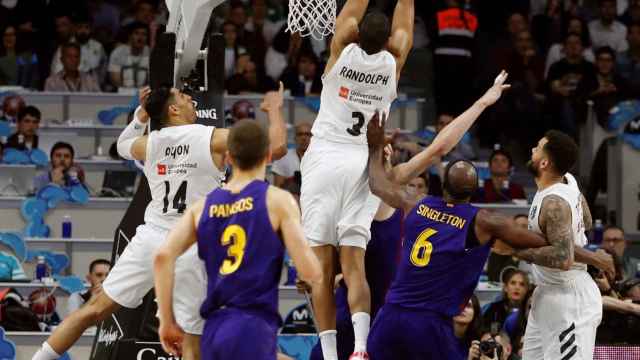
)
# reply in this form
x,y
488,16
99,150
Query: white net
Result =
x,y
315,18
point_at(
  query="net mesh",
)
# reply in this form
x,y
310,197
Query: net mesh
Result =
x,y
315,18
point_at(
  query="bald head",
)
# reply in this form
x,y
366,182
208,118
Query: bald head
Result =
x,y
460,180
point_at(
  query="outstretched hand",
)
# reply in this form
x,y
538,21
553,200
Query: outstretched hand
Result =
x,y
273,100
493,94
375,131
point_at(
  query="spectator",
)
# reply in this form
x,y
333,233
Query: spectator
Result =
x,y
70,78
454,43
11,106
284,51
129,63
606,30
547,27
516,323
63,171
287,170
418,186
613,239
253,41
498,263
231,48
499,188
106,20
502,349
523,63
628,62
605,88
92,56
145,12
98,271
248,78
26,137
304,76
556,52
632,15
467,325
463,150
18,66
515,287
562,82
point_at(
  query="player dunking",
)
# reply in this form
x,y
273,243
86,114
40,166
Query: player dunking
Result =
x,y
241,231
182,164
447,242
566,306
337,207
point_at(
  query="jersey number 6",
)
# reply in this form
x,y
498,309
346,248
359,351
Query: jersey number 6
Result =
x,y
355,129
422,248
236,237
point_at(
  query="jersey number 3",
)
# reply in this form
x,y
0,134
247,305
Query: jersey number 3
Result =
x,y
422,248
355,129
235,238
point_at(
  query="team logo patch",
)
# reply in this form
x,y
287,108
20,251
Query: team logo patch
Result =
x,y
344,92
532,214
162,169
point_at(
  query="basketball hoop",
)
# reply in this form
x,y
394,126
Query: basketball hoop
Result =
x,y
315,18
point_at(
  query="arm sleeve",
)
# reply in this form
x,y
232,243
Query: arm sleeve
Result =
x,y
134,130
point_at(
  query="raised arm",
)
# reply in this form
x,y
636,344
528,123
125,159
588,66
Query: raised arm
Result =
x,y
288,219
132,144
272,105
555,222
346,28
451,135
181,237
492,225
401,40
380,180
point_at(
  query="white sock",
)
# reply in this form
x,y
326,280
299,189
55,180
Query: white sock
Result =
x,y
360,322
45,353
329,344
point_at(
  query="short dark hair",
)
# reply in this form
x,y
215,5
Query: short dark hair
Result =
x,y
602,2
70,45
518,216
374,32
61,145
613,227
157,106
606,50
571,34
248,144
502,152
562,150
97,262
29,110
131,28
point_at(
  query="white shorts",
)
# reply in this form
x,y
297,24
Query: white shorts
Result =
x,y
337,205
131,278
563,320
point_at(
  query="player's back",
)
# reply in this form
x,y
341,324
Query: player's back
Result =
x,y
571,194
243,255
441,258
179,169
356,86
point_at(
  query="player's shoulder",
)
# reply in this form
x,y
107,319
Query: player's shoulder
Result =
x,y
279,196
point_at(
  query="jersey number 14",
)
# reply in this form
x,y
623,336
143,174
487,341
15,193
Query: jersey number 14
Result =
x,y
179,199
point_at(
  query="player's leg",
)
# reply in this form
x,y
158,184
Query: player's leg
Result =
x,y
127,283
324,304
533,345
359,294
191,347
70,330
590,315
190,289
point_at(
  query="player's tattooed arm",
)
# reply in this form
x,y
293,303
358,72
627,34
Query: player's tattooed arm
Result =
x,y
555,222
587,220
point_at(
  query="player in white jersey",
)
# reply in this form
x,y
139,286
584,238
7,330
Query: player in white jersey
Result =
x,y
184,161
566,305
367,55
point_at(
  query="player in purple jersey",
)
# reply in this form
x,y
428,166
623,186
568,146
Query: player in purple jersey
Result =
x,y
447,241
241,230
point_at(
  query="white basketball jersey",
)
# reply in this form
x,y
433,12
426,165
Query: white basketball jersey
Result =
x,y
180,171
571,194
357,85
